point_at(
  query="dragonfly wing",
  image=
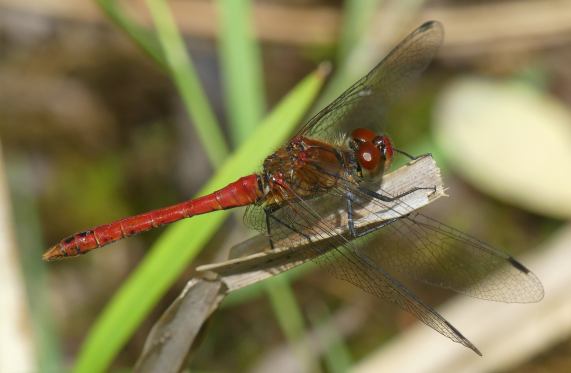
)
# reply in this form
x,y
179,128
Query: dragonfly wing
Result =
x,y
255,218
429,251
366,102
337,255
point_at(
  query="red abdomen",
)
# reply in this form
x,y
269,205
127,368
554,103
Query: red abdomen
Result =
x,y
244,191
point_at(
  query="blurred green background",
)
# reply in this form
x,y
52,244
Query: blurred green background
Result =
x,y
111,108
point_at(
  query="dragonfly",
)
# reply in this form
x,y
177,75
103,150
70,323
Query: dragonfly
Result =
x,y
335,162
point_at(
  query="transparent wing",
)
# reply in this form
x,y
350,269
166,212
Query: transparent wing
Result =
x,y
311,224
255,218
366,102
429,251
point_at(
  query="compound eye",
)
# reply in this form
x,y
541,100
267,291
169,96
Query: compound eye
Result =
x,y
361,135
368,156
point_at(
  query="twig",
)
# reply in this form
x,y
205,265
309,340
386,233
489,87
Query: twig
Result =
x,y
171,338
265,263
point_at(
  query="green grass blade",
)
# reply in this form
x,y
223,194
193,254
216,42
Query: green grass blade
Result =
x,y
177,61
187,82
358,17
143,37
242,72
241,68
181,242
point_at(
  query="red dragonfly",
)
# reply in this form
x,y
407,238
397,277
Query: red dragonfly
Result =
x,y
332,164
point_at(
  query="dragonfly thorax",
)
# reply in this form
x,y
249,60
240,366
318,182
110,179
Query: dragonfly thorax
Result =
x,y
304,168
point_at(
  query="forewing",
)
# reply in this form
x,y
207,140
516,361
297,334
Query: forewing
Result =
x,y
429,251
366,102
336,253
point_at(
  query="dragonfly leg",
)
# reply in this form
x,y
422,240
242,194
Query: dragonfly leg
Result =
x,y
351,222
270,215
268,212
412,157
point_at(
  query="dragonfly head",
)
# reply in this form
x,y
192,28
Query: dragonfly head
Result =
x,y
373,152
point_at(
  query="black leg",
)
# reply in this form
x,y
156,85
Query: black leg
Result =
x,y
412,157
269,228
351,222
270,215
383,198
376,227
